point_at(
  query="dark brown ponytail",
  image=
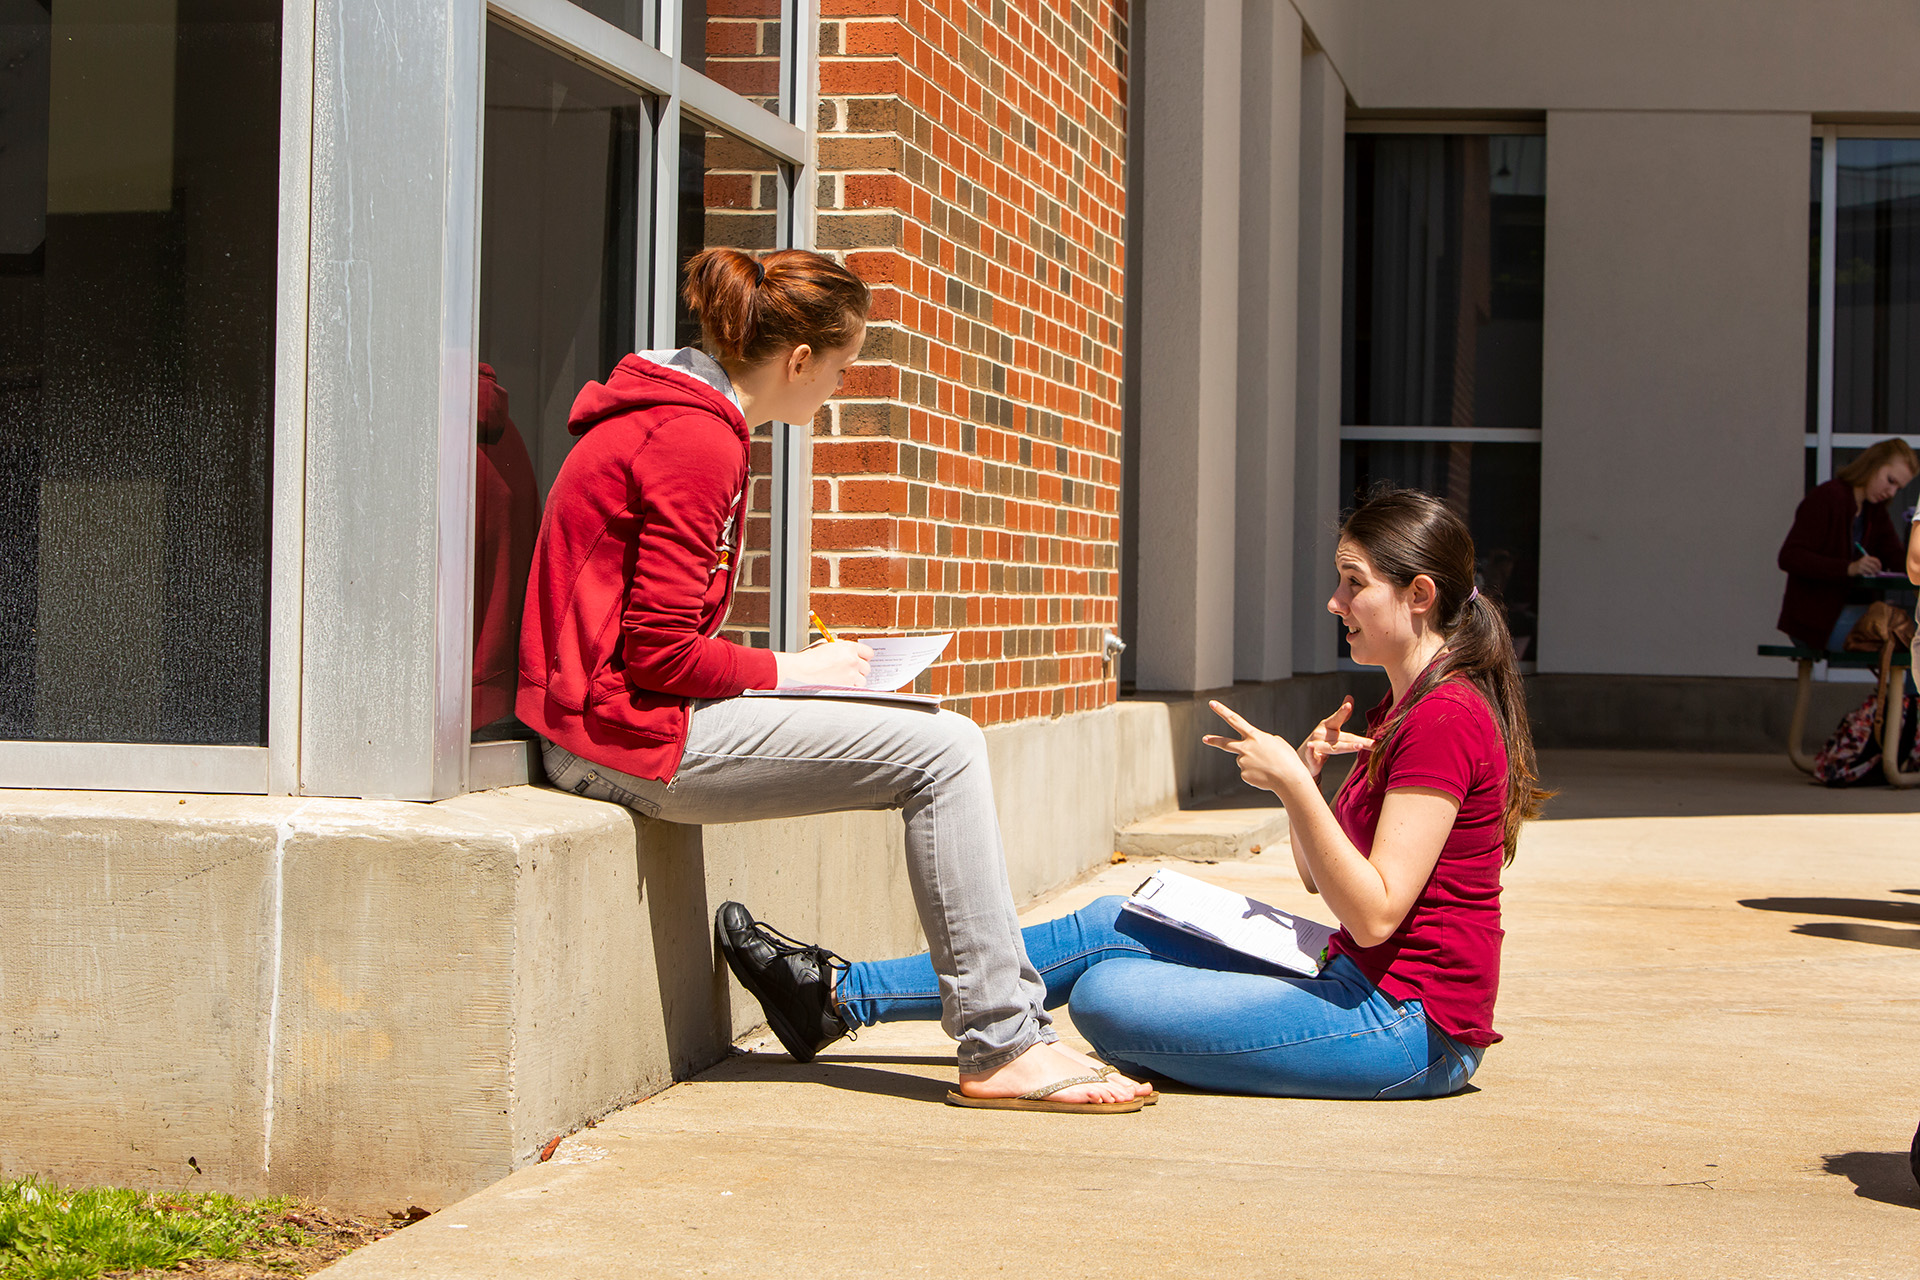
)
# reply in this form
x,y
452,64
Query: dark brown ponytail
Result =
x,y
752,309
1405,533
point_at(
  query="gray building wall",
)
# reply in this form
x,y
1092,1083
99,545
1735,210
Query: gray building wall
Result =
x,y
1675,350
1674,398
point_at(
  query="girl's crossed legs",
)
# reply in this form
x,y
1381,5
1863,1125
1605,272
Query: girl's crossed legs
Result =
x,y
1150,997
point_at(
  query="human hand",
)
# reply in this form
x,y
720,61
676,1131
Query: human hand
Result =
x,y
1328,739
839,662
1267,760
1865,566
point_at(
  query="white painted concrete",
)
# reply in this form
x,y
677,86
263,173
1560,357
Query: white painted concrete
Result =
x,y
1855,57
1316,494
1674,387
1189,277
1269,313
383,1003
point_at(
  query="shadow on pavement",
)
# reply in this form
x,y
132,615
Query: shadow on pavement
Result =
x,y
1886,1176
1858,909
762,1067
1862,933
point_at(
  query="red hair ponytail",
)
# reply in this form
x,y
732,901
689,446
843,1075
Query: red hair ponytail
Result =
x,y
751,309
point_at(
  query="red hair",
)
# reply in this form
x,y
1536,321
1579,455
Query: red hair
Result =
x,y
752,309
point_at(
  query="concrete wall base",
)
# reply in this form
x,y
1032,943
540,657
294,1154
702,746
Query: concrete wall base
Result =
x,y
1630,712
1681,713
378,1004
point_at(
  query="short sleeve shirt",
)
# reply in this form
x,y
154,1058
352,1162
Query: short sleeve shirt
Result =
x,y
1446,953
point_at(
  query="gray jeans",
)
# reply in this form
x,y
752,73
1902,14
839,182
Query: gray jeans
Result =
x,y
755,758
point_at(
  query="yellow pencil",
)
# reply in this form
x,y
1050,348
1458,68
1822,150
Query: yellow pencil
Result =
x,y
823,628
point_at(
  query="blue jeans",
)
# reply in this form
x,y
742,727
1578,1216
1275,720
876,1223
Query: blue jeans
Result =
x,y
1843,625
1154,999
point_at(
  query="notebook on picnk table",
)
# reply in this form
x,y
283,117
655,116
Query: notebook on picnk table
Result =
x,y
1234,920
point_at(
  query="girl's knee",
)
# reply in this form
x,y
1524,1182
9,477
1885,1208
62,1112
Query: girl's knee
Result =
x,y
1101,913
959,740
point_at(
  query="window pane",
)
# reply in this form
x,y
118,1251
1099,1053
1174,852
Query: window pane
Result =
x,y
737,43
558,270
1876,359
1496,486
730,195
1900,507
139,157
1445,257
635,17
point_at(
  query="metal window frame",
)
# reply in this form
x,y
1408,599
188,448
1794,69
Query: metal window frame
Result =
x,y
376,338
1823,440
272,769
681,93
1444,435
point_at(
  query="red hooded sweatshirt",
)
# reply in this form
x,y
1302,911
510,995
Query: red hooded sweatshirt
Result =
x,y
635,568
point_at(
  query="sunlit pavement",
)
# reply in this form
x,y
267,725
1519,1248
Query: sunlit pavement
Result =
x,y
1711,1000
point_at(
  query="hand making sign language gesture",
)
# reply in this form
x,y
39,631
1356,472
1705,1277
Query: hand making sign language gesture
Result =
x,y
1262,755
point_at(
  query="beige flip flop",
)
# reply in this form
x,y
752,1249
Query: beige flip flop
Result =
x,y
1042,1099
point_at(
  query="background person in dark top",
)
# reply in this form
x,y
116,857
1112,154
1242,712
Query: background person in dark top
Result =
x,y
1842,531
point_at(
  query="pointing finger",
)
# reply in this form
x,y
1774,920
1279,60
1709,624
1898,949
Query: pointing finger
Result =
x,y
1227,713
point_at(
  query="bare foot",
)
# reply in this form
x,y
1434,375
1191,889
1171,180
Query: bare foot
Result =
x,y
1038,1067
1091,1063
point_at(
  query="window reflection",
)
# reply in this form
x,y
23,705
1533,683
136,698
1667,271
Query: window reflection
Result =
x,y
1445,280
635,17
737,43
730,195
1495,486
559,278
139,167
1876,349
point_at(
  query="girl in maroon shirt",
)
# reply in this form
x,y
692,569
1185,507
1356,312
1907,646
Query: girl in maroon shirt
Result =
x,y
1408,857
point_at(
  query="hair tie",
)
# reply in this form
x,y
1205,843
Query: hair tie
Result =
x,y
1474,596
760,273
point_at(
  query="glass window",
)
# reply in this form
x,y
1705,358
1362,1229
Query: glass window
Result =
x,y
139,168
1495,486
1443,323
737,44
1876,296
559,259
730,195
1445,280
635,17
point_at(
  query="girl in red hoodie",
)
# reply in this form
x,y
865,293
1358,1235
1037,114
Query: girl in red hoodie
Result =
x,y
636,696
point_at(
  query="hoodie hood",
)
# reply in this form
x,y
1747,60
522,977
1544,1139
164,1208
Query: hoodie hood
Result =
x,y
652,380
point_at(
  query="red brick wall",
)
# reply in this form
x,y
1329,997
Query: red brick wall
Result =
x,y
972,170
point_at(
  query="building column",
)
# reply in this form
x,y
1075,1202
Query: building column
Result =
x,y
1269,266
1316,476
1187,344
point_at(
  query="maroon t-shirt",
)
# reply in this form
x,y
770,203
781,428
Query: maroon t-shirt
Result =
x,y
1446,953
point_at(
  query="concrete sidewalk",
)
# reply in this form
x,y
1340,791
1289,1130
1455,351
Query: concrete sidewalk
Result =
x,y
1712,1024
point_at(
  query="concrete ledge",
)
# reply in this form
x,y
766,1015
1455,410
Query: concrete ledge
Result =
x,y
1204,835
1681,713
382,1003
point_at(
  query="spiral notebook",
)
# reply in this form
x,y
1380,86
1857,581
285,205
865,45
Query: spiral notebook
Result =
x,y
1234,920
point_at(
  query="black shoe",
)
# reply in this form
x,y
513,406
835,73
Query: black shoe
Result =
x,y
792,981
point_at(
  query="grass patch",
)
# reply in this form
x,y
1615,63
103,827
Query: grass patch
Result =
x,y
55,1233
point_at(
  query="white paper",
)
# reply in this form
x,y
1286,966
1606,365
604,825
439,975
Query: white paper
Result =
x,y
896,661
1234,920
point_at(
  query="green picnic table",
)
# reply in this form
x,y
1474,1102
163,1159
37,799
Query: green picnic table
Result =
x,y
1892,711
